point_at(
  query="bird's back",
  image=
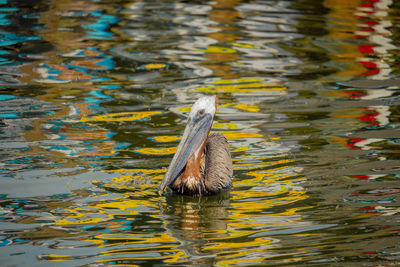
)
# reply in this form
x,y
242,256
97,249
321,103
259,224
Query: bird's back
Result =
x,y
218,164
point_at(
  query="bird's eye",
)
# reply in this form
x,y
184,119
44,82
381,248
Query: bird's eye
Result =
x,y
201,112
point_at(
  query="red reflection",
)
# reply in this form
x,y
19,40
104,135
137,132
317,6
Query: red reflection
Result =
x,y
362,177
366,49
370,117
369,208
372,25
352,143
355,94
372,66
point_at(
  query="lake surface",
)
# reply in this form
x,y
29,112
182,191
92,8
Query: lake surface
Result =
x,y
94,96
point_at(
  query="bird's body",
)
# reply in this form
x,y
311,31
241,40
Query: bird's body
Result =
x,y
215,170
202,164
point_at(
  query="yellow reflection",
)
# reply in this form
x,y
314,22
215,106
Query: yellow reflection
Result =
x,y
178,256
234,86
156,151
270,175
244,45
122,116
185,109
261,204
131,179
173,256
77,216
240,149
278,177
140,186
166,138
154,66
250,108
124,260
55,257
217,49
253,243
239,135
144,171
239,80
225,125
154,241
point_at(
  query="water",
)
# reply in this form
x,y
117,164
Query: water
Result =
x,y
94,97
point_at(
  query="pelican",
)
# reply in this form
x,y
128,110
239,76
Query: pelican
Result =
x,y
202,164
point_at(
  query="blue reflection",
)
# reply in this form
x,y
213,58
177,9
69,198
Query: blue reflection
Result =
x,y
121,145
12,115
4,242
107,62
100,94
8,9
101,79
110,87
3,20
7,38
98,30
97,98
4,61
7,97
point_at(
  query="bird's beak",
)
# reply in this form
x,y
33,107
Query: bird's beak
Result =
x,y
194,136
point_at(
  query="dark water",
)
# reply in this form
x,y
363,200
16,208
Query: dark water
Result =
x,y
94,96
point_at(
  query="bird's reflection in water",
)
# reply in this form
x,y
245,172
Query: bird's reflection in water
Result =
x,y
194,221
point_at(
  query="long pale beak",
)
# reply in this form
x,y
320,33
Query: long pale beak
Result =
x,y
195,134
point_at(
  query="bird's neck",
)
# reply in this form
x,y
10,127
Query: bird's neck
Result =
x,y
192,179
191,176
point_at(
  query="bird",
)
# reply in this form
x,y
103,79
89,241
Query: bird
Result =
x,y
202,164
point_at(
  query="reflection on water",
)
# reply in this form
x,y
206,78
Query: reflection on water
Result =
x,y
94,97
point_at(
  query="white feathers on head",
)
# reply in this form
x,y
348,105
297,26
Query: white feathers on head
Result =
x,y
207,103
